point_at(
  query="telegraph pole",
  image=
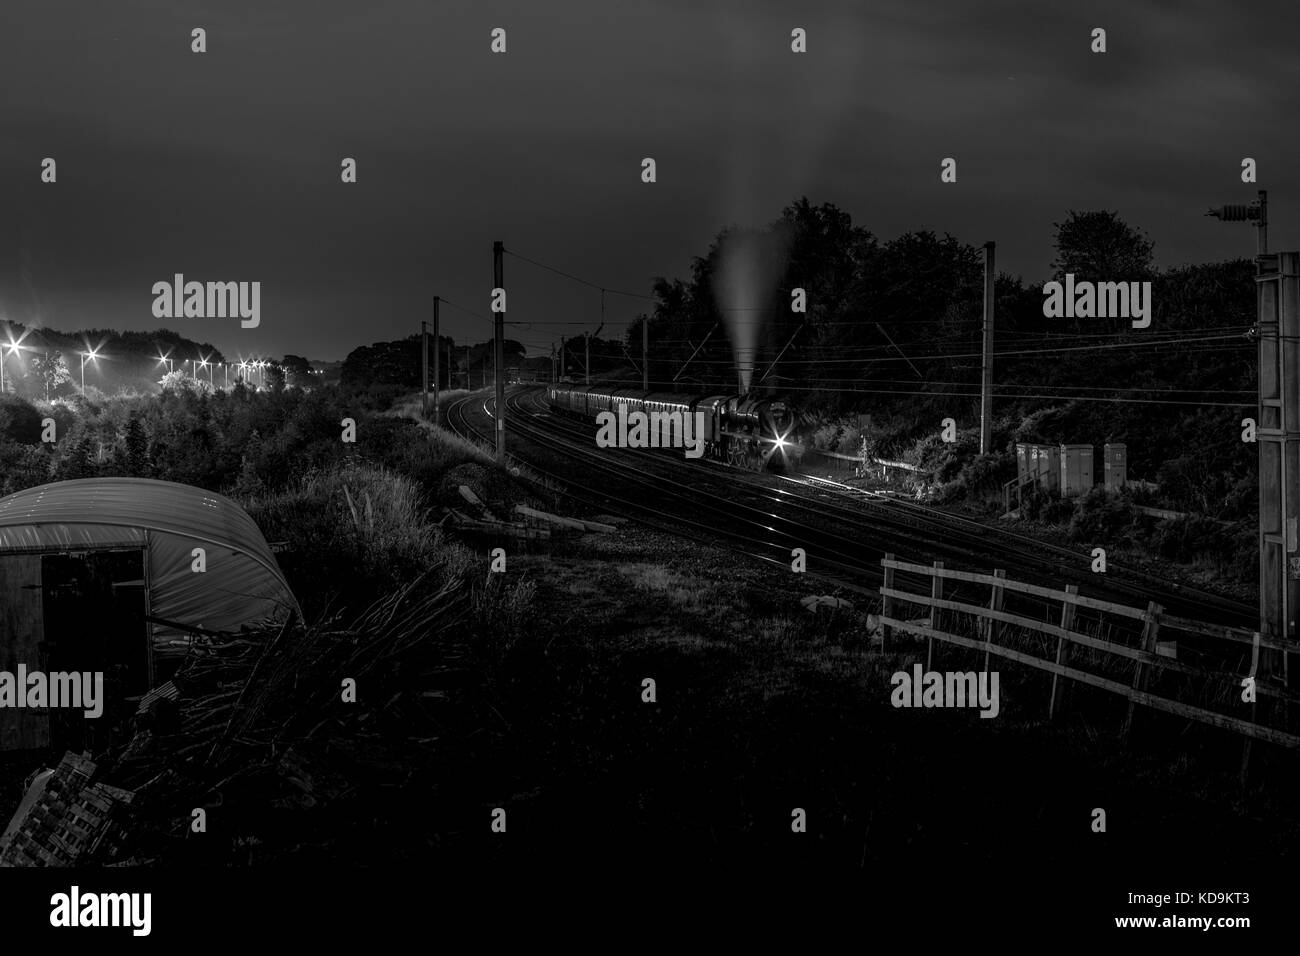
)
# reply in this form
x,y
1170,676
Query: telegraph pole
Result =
x,y
587,367
645,353
437,300
986,368
498,250
424,369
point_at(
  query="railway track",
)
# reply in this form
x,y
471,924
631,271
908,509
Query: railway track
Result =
x,y
843,529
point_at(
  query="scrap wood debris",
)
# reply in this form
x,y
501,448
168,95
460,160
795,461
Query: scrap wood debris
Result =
x,y
249,735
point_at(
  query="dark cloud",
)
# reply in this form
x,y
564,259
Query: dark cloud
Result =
x,y
225,166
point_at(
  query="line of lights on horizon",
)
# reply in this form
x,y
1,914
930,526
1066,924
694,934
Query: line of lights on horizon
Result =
x,y
250,369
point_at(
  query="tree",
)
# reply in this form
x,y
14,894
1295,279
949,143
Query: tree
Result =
x,y
19,421
297,371
136,443
50,370
1101,247
179,381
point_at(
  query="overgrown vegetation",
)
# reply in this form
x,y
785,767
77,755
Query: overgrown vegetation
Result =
x,y
353,518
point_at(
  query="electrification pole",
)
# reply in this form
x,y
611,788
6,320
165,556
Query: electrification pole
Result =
x,y
424,370
1277,285
436,377
1278,437
986,373
498,250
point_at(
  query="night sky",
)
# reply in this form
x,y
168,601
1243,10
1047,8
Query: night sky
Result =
x,y
225,165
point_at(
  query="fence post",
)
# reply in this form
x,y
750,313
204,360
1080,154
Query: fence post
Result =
x,y
886,602
995,604
936,594
1067,622
1149,631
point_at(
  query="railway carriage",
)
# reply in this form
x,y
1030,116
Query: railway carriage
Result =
x,y
747,431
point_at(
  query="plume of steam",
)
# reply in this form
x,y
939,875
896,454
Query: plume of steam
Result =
x,y
749,266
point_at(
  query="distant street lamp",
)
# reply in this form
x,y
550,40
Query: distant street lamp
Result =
x,y
12,346
92,354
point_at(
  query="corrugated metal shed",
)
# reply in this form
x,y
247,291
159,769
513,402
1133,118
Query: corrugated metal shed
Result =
x,y
242,583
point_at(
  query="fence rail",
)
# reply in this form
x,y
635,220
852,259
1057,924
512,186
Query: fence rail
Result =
x,y
1145,654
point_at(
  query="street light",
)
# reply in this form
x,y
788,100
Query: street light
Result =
x,y
12,346
91,354
163,358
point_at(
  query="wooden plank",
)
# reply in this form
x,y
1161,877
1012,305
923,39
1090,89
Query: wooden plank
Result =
x,y
1281,738
1050,593
547,516
1067,622
1006,617
1239,634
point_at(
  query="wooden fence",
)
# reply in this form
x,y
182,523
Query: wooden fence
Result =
x,y
1146,626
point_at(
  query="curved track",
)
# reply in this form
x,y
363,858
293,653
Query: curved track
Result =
x,y
843,530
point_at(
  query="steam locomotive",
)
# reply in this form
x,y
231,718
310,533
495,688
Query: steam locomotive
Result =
x,y
747,431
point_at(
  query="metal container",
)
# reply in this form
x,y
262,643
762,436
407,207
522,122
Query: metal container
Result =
x,y
1076,470
1116,457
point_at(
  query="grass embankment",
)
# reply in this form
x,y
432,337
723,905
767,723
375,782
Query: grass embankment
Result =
x,y
763,707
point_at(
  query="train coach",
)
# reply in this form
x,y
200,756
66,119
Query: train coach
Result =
x,y
747,431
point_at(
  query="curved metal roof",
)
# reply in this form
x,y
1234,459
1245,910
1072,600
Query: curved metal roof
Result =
x,y
242,582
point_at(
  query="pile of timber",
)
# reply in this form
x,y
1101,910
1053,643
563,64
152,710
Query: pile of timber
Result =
x,y
274,742
534,524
